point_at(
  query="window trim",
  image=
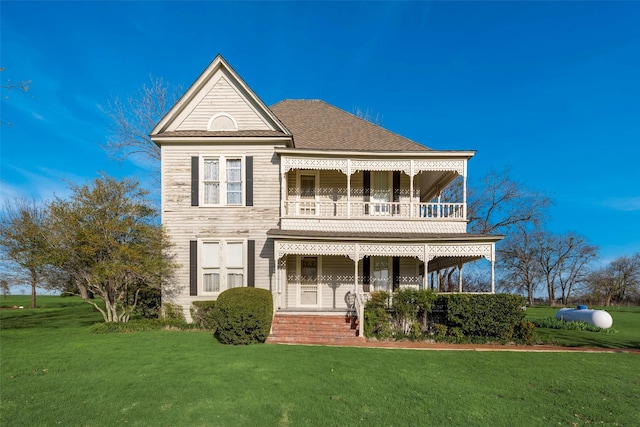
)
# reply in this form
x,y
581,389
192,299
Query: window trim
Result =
x,y
222,180
222,269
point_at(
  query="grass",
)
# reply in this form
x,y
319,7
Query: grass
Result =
x,y
626,322
54,372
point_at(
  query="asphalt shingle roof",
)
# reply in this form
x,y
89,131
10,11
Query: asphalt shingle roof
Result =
x,y
321,126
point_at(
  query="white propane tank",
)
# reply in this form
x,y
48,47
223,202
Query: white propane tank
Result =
x,y
599,318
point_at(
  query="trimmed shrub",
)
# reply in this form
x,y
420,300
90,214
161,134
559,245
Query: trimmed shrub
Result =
x,y
486,315
203,314
524,332
410,307
172,312
377,318
243,315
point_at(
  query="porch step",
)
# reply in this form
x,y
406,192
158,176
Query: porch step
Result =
x,y
314,329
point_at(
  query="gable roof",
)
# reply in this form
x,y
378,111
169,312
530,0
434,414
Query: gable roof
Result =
x,y
219,83
321,126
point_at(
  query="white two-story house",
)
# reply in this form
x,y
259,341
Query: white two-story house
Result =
x,y
303,199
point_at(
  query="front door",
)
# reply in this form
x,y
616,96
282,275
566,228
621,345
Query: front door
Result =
x,y
380,194
380,273
309,282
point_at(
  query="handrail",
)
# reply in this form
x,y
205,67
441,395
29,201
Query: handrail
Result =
x,y
361,209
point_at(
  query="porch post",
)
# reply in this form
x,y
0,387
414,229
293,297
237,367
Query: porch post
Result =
x,y
464,190
411,177
283,191
460,277
493,260
348,188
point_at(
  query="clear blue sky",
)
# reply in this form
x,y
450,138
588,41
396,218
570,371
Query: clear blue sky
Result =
x,y
550,89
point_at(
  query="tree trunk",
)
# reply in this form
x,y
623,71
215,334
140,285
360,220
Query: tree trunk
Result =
x,y
84,293
33,295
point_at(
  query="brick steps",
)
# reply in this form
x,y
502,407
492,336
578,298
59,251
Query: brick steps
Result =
x,y
310,329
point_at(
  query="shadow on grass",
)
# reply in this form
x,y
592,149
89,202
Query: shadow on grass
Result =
x,y
58,313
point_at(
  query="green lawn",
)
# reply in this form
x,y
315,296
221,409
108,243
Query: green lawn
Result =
x,y
626,322
54,372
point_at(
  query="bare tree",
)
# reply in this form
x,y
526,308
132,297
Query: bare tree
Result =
x,y
134,118
24,243
617,281
564,261
502,203
517,260
368,115
9,86
498,206
575,266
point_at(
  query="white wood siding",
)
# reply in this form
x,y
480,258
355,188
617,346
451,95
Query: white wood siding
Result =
x,y
184,222
222,97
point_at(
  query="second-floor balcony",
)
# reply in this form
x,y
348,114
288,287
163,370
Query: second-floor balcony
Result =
x,y
389,192
371,210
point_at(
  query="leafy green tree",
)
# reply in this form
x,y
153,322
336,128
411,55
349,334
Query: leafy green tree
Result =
x,y
107,239
24,244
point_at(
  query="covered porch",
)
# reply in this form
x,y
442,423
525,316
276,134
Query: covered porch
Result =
x,y
330,274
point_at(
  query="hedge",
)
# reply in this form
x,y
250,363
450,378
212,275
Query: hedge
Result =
x,y
203,314
243,315
484,315
422,314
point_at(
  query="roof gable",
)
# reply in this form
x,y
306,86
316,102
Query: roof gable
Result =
x,y
219,101
321,126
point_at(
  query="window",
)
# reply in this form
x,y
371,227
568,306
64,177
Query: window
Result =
x,y
234,181
211,266
211,181
222,181
223,265
380,194
380,273
235,265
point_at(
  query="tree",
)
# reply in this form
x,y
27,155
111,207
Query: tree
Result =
x,y
617,281
518,262
134,118
24,242
499,206
106,238
502,203
575,266
564,260
9,86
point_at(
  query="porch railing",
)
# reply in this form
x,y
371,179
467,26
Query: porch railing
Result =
x,y
358,209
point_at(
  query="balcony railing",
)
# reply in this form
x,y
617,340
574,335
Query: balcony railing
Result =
x,y
359,209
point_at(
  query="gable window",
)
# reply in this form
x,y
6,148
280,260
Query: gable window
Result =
x,y
222,181
223,265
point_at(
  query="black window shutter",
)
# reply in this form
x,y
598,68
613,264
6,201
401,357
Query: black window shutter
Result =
x,y
249,180
396,191
396,272
366,271
193,267
366,191
251,263
195,180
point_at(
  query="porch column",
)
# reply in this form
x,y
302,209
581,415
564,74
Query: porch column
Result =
x,y
493,260
411,177
283,191
460,277
349,188
464,190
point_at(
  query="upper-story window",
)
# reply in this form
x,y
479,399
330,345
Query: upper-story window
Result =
x,y
222,181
